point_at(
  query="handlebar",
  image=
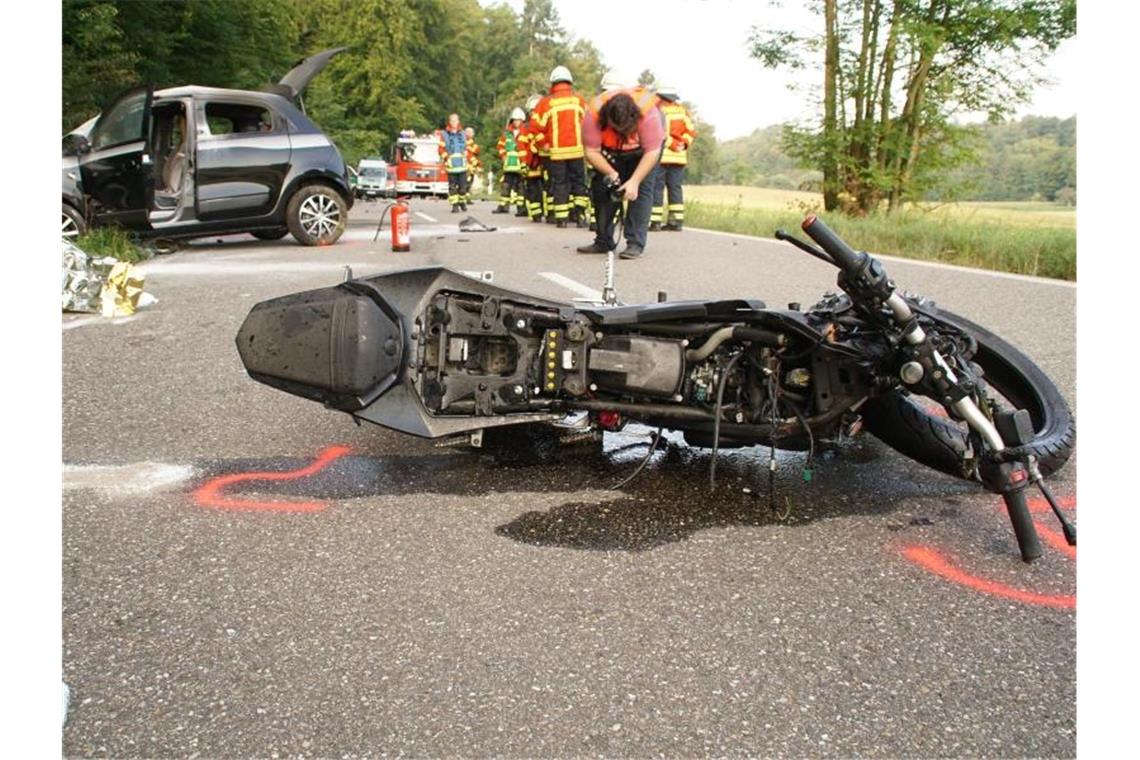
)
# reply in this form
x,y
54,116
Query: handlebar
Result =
x,y
845,257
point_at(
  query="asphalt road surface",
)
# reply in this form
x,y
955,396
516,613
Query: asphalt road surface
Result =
x,y
371,594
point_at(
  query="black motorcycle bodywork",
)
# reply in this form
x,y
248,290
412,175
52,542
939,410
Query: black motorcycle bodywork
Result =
x,y
433,353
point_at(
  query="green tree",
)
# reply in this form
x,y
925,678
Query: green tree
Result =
x,y
109,45
704,154
540,25
896,72
407,65
97,59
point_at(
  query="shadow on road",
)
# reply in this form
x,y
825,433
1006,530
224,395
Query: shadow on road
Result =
x,y
668,502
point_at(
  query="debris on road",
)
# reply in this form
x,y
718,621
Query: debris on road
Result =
x,y
122,291
102,285
471,224
83,278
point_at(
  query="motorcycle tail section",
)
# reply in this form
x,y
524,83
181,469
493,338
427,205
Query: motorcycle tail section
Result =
x,y
341,345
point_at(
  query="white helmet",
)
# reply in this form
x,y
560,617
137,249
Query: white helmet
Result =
x,y
561,74
616,79
668,92
518,114
532,101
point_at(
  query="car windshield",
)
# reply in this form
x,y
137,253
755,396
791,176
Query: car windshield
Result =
x,y
420,152
373,171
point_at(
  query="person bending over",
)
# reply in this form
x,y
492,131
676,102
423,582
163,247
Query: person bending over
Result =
x,y
623,135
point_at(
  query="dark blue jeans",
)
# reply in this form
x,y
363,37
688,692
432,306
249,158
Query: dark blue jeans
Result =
x,y
636,224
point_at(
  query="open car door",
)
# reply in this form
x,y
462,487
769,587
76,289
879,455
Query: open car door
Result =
x,y
117,170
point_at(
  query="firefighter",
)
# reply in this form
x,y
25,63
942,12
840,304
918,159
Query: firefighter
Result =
x,y
474,164
528,137
453,151
559,115
509,152
623,134
679,136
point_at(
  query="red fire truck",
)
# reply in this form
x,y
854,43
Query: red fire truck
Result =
x,y
419,170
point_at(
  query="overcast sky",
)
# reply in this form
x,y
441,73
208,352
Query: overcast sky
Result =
x,y
701,47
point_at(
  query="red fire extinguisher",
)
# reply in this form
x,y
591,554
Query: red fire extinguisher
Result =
x,y
401,228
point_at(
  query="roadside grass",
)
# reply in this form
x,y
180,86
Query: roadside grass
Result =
x,y
112,241
1033,238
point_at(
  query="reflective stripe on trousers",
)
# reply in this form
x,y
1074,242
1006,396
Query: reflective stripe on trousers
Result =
x,y
671,177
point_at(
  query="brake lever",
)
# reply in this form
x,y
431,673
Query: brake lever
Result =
x,y
804,246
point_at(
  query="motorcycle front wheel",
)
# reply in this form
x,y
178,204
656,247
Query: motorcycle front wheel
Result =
x,y
932,439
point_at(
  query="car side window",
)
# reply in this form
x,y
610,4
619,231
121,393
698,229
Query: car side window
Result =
x,y
224,119
122,124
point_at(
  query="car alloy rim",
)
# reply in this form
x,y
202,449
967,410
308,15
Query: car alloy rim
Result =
x,y
320,215
69,229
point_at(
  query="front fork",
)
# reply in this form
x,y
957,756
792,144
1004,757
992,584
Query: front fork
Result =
x,y
1007,478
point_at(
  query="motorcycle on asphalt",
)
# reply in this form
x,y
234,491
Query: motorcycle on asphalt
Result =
x,y
433,353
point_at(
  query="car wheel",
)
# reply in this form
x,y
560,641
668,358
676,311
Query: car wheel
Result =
x,y
74,224
270,234
316,215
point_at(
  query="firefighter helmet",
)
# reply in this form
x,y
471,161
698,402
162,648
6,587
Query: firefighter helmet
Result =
x,y
561,74
532,101
669,92
616,79
518,114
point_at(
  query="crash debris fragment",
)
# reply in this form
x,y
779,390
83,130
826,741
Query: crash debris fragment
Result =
x,y
471,224
102,285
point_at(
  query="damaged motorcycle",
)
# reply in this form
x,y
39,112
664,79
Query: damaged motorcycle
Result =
x,y
433,353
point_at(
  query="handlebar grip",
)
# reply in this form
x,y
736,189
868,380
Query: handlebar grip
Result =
x,y
845,256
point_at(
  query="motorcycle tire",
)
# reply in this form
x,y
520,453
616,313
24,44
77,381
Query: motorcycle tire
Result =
x,y
937,442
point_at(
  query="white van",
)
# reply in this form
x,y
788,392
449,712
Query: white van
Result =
x,y
374,180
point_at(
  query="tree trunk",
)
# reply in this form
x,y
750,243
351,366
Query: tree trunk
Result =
x,y
862,153
888,77
830,128
861,78
912,111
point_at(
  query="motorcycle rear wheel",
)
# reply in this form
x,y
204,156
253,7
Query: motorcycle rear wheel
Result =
x,y
937,442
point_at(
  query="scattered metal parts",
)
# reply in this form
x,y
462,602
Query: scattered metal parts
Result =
x,y
471,224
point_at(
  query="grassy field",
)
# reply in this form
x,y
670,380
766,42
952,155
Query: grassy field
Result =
x,y
1025,238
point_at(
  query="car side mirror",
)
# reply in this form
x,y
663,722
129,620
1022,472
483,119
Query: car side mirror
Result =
x,y
80,145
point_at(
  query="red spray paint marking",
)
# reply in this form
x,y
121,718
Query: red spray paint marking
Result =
x,y
930,559
210,494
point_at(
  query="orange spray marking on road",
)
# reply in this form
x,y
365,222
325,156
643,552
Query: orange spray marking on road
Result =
x,y
210,493
933,561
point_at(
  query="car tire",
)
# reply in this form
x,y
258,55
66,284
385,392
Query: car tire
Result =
x,y
73,224
316,215
270,234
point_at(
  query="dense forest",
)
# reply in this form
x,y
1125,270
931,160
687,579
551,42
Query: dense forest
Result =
x,y
1034,158
410,62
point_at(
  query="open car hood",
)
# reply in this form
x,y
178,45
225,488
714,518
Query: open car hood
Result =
x,y
297,78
